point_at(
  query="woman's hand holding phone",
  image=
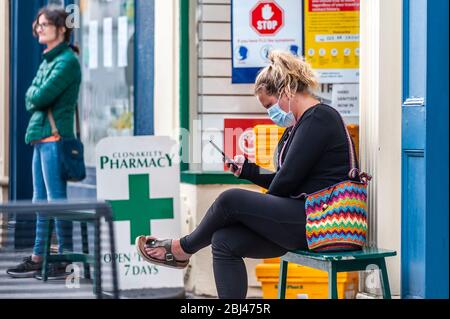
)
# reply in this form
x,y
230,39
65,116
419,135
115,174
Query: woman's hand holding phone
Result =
x,y
238,162
235,166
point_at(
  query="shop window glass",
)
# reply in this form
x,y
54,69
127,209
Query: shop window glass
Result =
x,y
106,40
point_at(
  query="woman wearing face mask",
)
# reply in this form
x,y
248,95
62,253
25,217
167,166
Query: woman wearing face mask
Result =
x,y
312,155
55,88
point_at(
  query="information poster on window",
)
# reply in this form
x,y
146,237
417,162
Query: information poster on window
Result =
x,y
345,98
259,27
93,45
332,39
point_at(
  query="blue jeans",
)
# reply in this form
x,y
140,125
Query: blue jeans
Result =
x,y
49,186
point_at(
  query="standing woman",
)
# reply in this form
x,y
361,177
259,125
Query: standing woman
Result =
x,y
53,93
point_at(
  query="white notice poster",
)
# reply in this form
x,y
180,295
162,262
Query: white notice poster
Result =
x,y
345,98
123,42
108,42
93,44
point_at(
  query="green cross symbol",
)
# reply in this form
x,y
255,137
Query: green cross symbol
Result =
x,y
140,209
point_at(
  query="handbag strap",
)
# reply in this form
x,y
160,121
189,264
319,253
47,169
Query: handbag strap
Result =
x,y
354,167
77,122
51,119
354,172
55,131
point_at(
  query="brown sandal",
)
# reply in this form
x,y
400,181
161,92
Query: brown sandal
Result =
x,y
170,261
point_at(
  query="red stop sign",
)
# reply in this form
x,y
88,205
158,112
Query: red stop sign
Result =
x,y
267,18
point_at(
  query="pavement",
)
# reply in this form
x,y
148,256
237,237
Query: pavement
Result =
x,y
31,288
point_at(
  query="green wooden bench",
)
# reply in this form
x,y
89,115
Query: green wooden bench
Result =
x,y
334,262
84,211
86,257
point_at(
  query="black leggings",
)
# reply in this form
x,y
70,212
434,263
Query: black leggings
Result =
x,y
243,223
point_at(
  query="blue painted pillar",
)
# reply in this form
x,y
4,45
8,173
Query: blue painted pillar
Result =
x,y
145,67
437,150
25,60
425,147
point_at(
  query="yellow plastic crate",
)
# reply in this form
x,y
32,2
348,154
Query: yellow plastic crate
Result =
x,y
267,137
266,141
304,282
353,130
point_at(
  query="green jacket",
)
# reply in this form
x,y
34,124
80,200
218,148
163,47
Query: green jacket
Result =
x,y
56,86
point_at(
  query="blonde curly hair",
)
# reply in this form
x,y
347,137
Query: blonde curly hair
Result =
x,y
286,74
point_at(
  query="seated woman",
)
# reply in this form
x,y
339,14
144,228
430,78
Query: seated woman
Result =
x,y
312,155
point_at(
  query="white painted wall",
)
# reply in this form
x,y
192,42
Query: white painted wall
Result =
x,y
381,122
166,67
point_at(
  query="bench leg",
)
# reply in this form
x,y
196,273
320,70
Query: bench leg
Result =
x,y
282,279
85,244
384,279
332,282
97,261
113,264
47,246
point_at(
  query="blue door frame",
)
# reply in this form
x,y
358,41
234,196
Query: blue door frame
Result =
x,y
26,55
25,60
425,150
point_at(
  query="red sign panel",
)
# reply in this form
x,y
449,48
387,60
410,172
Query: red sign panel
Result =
x,y
239,138
267,18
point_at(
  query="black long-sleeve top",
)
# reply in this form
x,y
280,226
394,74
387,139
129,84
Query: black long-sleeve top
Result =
x,y
315,157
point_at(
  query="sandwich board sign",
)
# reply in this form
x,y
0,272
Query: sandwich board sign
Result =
x,y
140,177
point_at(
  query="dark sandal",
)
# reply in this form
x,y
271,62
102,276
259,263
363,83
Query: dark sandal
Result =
x,y
170,261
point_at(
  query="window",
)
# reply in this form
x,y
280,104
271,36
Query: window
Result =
x,y
106,40
219,102
217,98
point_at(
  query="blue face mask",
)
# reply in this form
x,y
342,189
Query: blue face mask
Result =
x,y
280,117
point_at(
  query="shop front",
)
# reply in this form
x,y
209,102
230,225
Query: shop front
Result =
x,y
217,102
116,98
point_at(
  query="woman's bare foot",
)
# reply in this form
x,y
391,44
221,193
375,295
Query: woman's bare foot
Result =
x,y
160,252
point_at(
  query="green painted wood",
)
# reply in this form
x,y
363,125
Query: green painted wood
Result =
x,y
47,242
71,258
356,264
336,262
366,253
213,178
306,261
77,216
85,258
184,82
282,279
384,280
332,282
85,247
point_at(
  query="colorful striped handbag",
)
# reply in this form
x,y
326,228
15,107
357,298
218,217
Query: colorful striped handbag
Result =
x,y
336,217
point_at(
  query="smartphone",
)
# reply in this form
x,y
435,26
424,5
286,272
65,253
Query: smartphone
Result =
x,y
225,157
